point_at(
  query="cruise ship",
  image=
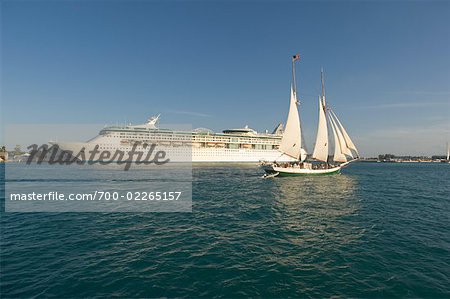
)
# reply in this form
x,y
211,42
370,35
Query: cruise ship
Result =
x,y
199,145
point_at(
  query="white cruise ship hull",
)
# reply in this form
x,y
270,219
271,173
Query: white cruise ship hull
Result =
x,y
183,154
199,145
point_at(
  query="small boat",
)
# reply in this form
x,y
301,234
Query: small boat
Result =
x,y
293,145
269,175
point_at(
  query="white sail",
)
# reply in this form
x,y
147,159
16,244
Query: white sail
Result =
x,y
448,152
344,148
291,142
338,154
321,148
348,141
303,150
303,154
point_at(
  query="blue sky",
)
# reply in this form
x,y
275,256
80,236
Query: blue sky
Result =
x,y
227,64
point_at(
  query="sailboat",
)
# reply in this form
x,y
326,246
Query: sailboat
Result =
x,y
448,153
293,145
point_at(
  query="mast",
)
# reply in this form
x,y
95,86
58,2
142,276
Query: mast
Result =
x,y
323,87
321,147
292,141
294,82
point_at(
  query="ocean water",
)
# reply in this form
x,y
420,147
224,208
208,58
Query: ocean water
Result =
x,y
377,230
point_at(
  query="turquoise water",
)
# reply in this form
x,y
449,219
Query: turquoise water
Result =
x,y
377,230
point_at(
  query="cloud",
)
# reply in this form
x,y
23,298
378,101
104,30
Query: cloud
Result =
x,y
191,113
440,129
427,93
407,100
403,105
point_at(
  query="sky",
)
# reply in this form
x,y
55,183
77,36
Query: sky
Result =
x,y
227,64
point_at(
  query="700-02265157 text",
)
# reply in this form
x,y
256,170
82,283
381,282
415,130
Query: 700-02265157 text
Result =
x,y
98,195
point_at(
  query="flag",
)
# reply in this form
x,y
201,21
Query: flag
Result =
x,y
296,57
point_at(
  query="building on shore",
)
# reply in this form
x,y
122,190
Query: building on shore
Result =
x,y
3,154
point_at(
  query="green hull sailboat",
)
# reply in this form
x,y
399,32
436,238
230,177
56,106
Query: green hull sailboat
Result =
x,y
293,145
